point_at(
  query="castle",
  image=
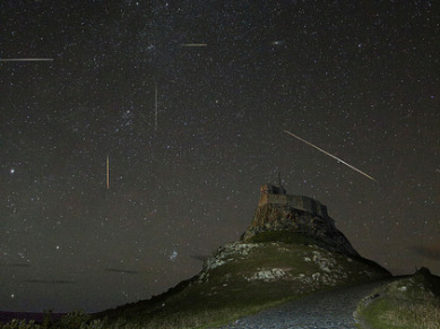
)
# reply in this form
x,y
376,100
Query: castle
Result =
x,y
271,194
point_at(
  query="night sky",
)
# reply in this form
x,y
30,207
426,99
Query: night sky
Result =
x,y
359,79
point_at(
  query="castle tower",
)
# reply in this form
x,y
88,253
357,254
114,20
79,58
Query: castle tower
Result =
x,y
272,194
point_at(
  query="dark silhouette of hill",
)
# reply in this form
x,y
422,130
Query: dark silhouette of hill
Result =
x,y
37,317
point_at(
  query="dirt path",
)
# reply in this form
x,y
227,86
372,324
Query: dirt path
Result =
x,y
326,310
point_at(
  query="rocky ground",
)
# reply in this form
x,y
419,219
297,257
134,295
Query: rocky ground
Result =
x,y
320,267
325,310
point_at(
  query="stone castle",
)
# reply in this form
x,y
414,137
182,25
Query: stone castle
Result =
x,y
278,211
271,194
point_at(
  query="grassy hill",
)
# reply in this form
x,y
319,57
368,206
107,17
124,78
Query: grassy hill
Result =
x,y
410,302
243,278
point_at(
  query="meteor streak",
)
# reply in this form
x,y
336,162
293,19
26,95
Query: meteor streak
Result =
x,y
330,155
108,173
194,44
26,59
155,106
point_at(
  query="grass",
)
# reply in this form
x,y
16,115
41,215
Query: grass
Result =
x,y
229,292
204,318
180,319
389,313
282,236
406,303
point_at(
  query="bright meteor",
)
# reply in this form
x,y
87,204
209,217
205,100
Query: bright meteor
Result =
x,y
330,155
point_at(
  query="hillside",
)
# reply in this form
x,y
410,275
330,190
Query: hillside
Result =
x,y
244,277
407,302
288,251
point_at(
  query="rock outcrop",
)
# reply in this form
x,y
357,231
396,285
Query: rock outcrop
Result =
x,y
283,213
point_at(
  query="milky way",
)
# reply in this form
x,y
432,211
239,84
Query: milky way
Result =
x,y
359,79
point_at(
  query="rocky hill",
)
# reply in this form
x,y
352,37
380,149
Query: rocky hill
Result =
x,y
292,248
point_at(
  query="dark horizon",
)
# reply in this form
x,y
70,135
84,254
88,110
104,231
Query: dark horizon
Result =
x,y
6,317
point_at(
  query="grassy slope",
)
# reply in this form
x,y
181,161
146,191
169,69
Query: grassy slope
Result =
x,y
246,279
411,302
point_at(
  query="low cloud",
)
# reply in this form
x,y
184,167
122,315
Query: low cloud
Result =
x,y
15,265
120,270
431,252
49,281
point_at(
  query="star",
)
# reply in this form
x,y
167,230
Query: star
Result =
x,y
173,255
278,43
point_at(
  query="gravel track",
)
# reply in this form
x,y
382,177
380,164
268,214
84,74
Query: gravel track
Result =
x,y
325,310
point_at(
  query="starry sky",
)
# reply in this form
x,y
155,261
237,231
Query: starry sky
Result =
x,y
359,79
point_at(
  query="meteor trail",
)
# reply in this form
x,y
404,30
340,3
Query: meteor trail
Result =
x,y
155,106
194,44
330,155
26,59
108,173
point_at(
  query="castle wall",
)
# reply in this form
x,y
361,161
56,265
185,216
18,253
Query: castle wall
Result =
x,y
295,201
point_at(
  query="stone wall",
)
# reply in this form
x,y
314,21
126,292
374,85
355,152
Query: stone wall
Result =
x,y
281,218
269,195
